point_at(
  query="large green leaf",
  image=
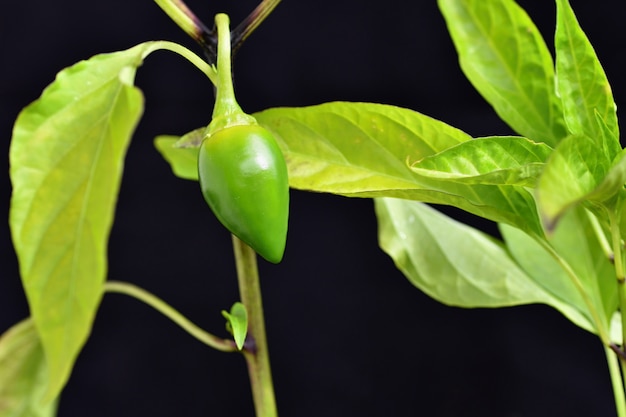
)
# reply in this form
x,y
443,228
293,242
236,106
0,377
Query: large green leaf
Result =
x,y
504,56
23,374
582,83
361,150
507,160
457,264
66,159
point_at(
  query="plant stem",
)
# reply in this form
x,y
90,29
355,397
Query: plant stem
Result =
x,y
255,348
161,306
602,239
619,269
616,381
226,112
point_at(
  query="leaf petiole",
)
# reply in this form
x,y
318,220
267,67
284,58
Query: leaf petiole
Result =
x,y
168,311
201,64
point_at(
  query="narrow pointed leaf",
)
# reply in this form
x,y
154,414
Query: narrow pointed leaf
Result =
x,y
582,83
457,264
573,173
491,160
504,56
66,158
23,374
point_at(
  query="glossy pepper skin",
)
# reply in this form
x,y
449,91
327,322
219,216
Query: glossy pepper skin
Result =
x,y
243,177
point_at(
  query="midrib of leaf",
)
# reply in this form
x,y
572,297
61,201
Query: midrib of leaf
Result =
x,y
72,304
358,168
528,100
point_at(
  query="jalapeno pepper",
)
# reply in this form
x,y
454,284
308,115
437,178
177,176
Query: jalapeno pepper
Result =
x,y
243,177
241,169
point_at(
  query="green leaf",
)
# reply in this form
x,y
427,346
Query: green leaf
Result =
x,y
360,150
576,171
66,159
575,242
504,56
23,374
582,83
457,264
492,160
184,161
237,323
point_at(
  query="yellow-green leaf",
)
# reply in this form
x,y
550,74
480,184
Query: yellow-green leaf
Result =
x,y
582,83
505,58
66,159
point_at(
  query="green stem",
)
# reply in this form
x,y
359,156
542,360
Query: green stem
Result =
x,y
619,269
207,69
604,242
225,97
168,311
616,381
255,350
226,112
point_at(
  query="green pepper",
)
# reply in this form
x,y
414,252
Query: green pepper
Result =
x,y
243,177
241,169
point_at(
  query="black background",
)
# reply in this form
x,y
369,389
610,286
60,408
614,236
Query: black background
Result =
x,y
349,336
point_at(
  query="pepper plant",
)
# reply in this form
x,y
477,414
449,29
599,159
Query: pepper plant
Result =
x,y
556,190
